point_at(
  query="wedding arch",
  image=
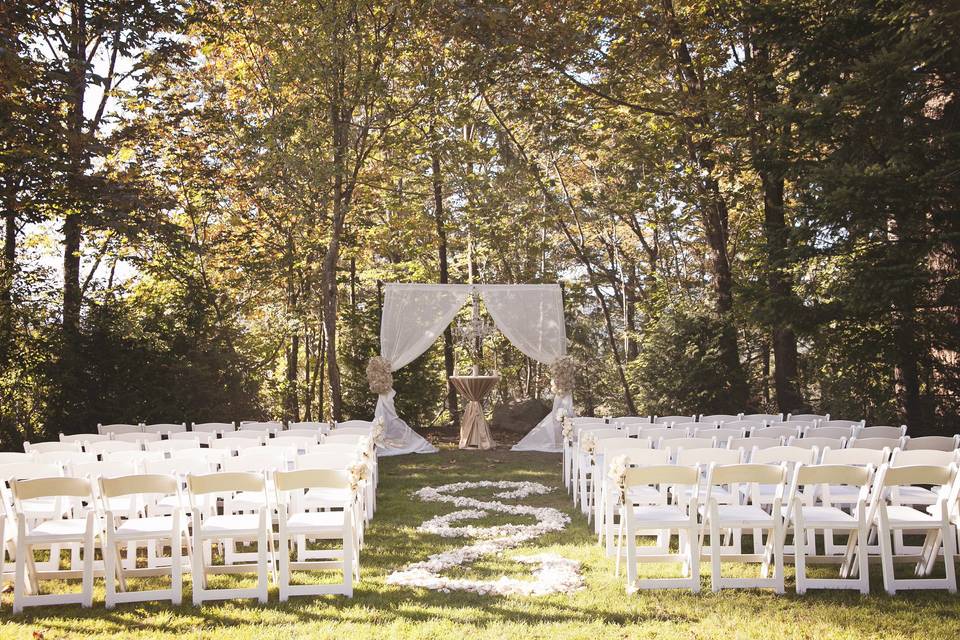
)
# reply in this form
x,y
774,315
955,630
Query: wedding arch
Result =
x,y
530,316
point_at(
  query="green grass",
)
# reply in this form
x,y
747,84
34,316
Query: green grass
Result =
x,y
602,610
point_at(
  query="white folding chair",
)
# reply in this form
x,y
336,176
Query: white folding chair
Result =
x,y
53,532
668,420
753,442
939,535
46,447
664,519
237,444
322,427
270,427
297,523
749,515
586,464
936,443
165,428
748,426
208,526
118,428
912,495
767,418
607,450
326,498
39,509
202,437
815,418
354,423
675,444
844,496
614,525
165,446
721,436
111,446
213,427
777,432
875,443
806,519
719,418
818,443
64,458
135,457
882,432
155,530
84,438
139,438
213,457
302,435
856,424
15,457
838,433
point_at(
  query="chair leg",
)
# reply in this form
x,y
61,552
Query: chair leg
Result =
x,y
886,553
20,578
714,548
176,567
88,553
693,555
800,552
199,568
109,571
262,575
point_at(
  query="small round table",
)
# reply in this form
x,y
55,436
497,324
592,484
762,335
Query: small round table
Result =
x,y
474,431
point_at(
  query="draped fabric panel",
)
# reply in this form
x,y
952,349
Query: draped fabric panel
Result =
x,y
414,315
531,317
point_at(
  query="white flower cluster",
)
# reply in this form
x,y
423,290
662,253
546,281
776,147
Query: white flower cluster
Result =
x,y
567,429
618,473
359,471
588,443
555,573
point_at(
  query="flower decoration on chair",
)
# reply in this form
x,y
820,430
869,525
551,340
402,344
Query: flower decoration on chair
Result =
x,y
588,443
359,471
563,372
380,375
618,474
567,428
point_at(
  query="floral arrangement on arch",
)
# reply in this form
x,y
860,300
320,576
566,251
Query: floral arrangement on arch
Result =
x,y
617,473
379,375
563,373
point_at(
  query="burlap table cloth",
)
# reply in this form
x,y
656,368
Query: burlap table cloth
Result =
x,y
474,431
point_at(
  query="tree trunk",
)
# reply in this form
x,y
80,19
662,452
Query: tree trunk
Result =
x,y
785,374
7,278
332,258
440,218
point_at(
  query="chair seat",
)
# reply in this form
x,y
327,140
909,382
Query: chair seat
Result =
x,y
168,503
314,521
827,515
327,497
900,515
916,495
746,515
60,529
644,495
659,513
153,526
248,498
247,523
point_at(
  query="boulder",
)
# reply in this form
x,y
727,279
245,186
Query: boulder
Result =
x,y
519,416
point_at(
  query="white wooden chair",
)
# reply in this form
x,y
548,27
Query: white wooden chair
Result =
x,y
46,447
662,433
720,436
165,428
155,530
64,458
856,424
916,495
664,519
202,438
38,509
939,534
111,446
668,420
748,426
208,526
844,496
15,457
165,446
753,442
322,427
139,438
297,523
588,466
309,435
676,444
817,443
767,418
135,457
844,433
55,531
608,450
328,498
118,428
237,443
84,438
214,428
270,427
875,443
806,519
777,431
815,418
882,432
614,525
719,418
213,457
936,443
749,515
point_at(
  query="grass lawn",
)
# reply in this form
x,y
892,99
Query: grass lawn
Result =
x,y
601,610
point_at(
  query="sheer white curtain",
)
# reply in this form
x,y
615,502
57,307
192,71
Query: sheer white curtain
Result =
x,y
531,317
414,315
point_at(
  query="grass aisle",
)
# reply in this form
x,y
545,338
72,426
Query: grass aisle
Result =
x,y
602,610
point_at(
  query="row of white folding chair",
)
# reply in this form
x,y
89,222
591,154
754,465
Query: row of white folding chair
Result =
x,y
799,512
270,426
111,531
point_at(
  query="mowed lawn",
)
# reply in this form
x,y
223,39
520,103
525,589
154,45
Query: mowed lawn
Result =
x,y
601,610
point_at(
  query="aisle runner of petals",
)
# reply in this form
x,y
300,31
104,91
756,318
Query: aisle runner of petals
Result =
x,y
555,574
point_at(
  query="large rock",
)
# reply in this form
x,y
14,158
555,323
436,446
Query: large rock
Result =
x,y
519,416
